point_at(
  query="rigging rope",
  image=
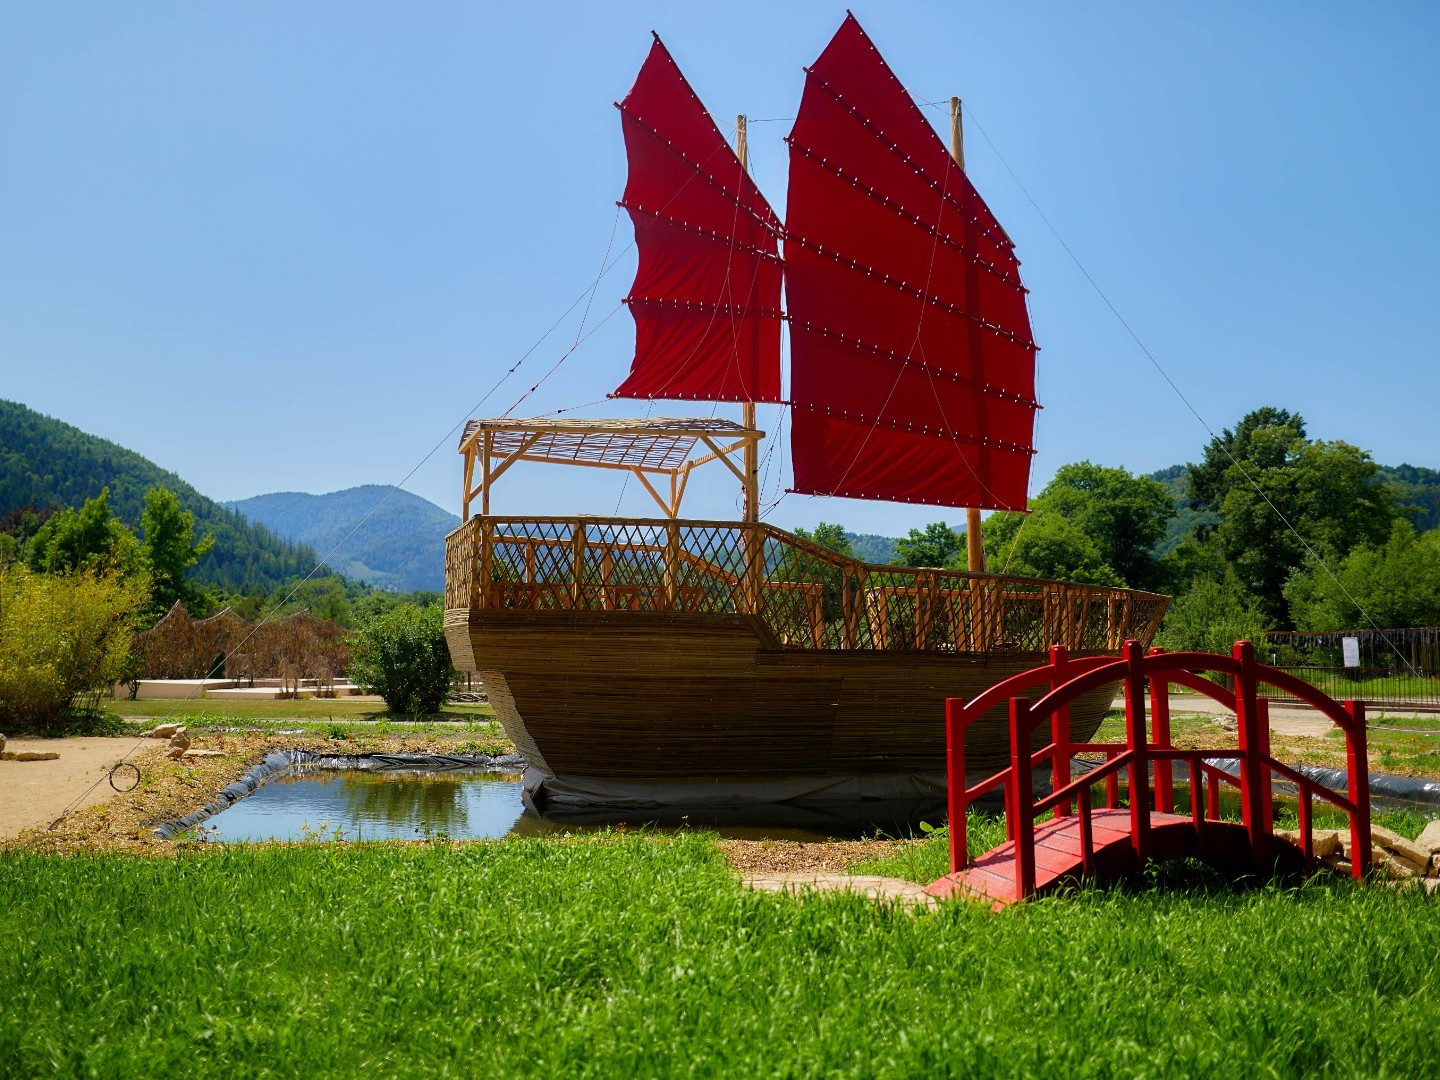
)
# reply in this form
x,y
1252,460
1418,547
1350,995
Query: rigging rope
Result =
x,y
1309,549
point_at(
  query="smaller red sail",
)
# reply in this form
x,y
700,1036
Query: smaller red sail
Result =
x,y
706,297
912,362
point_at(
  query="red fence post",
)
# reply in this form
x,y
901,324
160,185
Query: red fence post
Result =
x,y
1267,789
1357,762
1139,767
1022,797
955,781
1160,736
1060,727
1253,768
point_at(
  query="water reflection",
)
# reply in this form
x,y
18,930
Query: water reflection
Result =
x,y
328,804
354,805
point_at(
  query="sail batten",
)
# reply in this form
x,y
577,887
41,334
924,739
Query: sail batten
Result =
x,y
911,350
706,296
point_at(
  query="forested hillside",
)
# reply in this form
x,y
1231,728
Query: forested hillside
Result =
x,y
1417,489
46,463
401,546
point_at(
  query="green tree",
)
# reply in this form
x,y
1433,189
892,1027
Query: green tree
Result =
x,y
1124,516
1395,584
62,637
90,538
831,537
1285,497
1212,616
1044,545
402,656
170,549
937,545
1211,479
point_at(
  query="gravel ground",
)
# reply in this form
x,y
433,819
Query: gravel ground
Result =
x,y
171,789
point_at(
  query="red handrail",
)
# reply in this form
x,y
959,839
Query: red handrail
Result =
x,y
1063,679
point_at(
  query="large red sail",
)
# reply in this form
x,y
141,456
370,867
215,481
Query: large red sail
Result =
x,y
706,297
912,362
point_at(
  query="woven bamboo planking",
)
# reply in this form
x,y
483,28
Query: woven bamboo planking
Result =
x,y
661,650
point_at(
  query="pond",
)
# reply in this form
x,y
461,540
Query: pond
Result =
x,y
353,804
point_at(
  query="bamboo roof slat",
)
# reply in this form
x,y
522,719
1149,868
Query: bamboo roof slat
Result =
x,y
652,443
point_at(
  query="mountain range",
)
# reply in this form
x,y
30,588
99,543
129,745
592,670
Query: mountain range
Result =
x,y
47,463
399,546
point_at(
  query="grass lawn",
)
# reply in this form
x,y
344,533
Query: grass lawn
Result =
x,y
643,956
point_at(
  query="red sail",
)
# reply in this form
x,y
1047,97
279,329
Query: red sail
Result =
x,y
706,298
912,362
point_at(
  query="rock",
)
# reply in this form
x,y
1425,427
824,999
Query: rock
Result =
x,y
1428,840
31,755
165,731
1325,843
1393,868
2,744
1406,851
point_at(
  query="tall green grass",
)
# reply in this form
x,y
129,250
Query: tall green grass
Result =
x,y
638,957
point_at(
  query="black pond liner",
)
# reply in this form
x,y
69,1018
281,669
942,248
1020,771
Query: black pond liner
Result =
x,y
1387,792
283,762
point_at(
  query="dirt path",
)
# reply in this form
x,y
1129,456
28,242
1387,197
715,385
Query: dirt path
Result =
x,y
36,792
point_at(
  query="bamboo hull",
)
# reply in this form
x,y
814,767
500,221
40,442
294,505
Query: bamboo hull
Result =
x,y
702,706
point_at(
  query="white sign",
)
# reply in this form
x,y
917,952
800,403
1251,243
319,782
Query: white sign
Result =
x,y
1351,647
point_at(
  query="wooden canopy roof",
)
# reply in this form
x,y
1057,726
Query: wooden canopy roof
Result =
x,y
654,445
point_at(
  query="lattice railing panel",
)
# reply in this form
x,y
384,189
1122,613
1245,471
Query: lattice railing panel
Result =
x,y
807,597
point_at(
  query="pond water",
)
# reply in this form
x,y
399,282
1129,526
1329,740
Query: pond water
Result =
x,y
353,804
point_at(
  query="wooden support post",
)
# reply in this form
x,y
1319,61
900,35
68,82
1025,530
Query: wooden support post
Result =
x,y
955,781
974,542
468,483
1022,797
577,551
1139,767
486,448
1357,765
672,564
484,592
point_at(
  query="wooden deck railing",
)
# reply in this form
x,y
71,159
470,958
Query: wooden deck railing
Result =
x,y
809,597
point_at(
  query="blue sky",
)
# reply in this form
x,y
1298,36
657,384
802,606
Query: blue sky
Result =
x,y
279,246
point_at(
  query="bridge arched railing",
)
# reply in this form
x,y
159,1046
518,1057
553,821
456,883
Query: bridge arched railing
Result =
x,y
1065,678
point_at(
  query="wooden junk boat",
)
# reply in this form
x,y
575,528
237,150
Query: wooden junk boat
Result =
x,y
668,661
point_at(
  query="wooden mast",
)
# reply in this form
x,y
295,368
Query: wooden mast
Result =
x,y
974,542
747,410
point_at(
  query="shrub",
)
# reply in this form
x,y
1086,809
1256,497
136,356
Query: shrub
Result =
x,y
62,637
401,655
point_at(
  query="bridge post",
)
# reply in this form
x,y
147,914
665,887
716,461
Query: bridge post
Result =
x,y
1267,787
1060,726
1253,770
955,781
1160,736
1357,764
1139,767
1021,810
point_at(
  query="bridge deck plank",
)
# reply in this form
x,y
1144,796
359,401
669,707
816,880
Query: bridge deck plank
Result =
x,y
1057,855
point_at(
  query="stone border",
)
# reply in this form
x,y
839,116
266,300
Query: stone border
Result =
x,y
281,762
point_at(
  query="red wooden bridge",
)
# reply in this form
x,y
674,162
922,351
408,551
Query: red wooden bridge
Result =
x,y
1083,840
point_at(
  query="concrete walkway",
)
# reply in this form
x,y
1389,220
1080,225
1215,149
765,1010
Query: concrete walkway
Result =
x,y
1284,719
